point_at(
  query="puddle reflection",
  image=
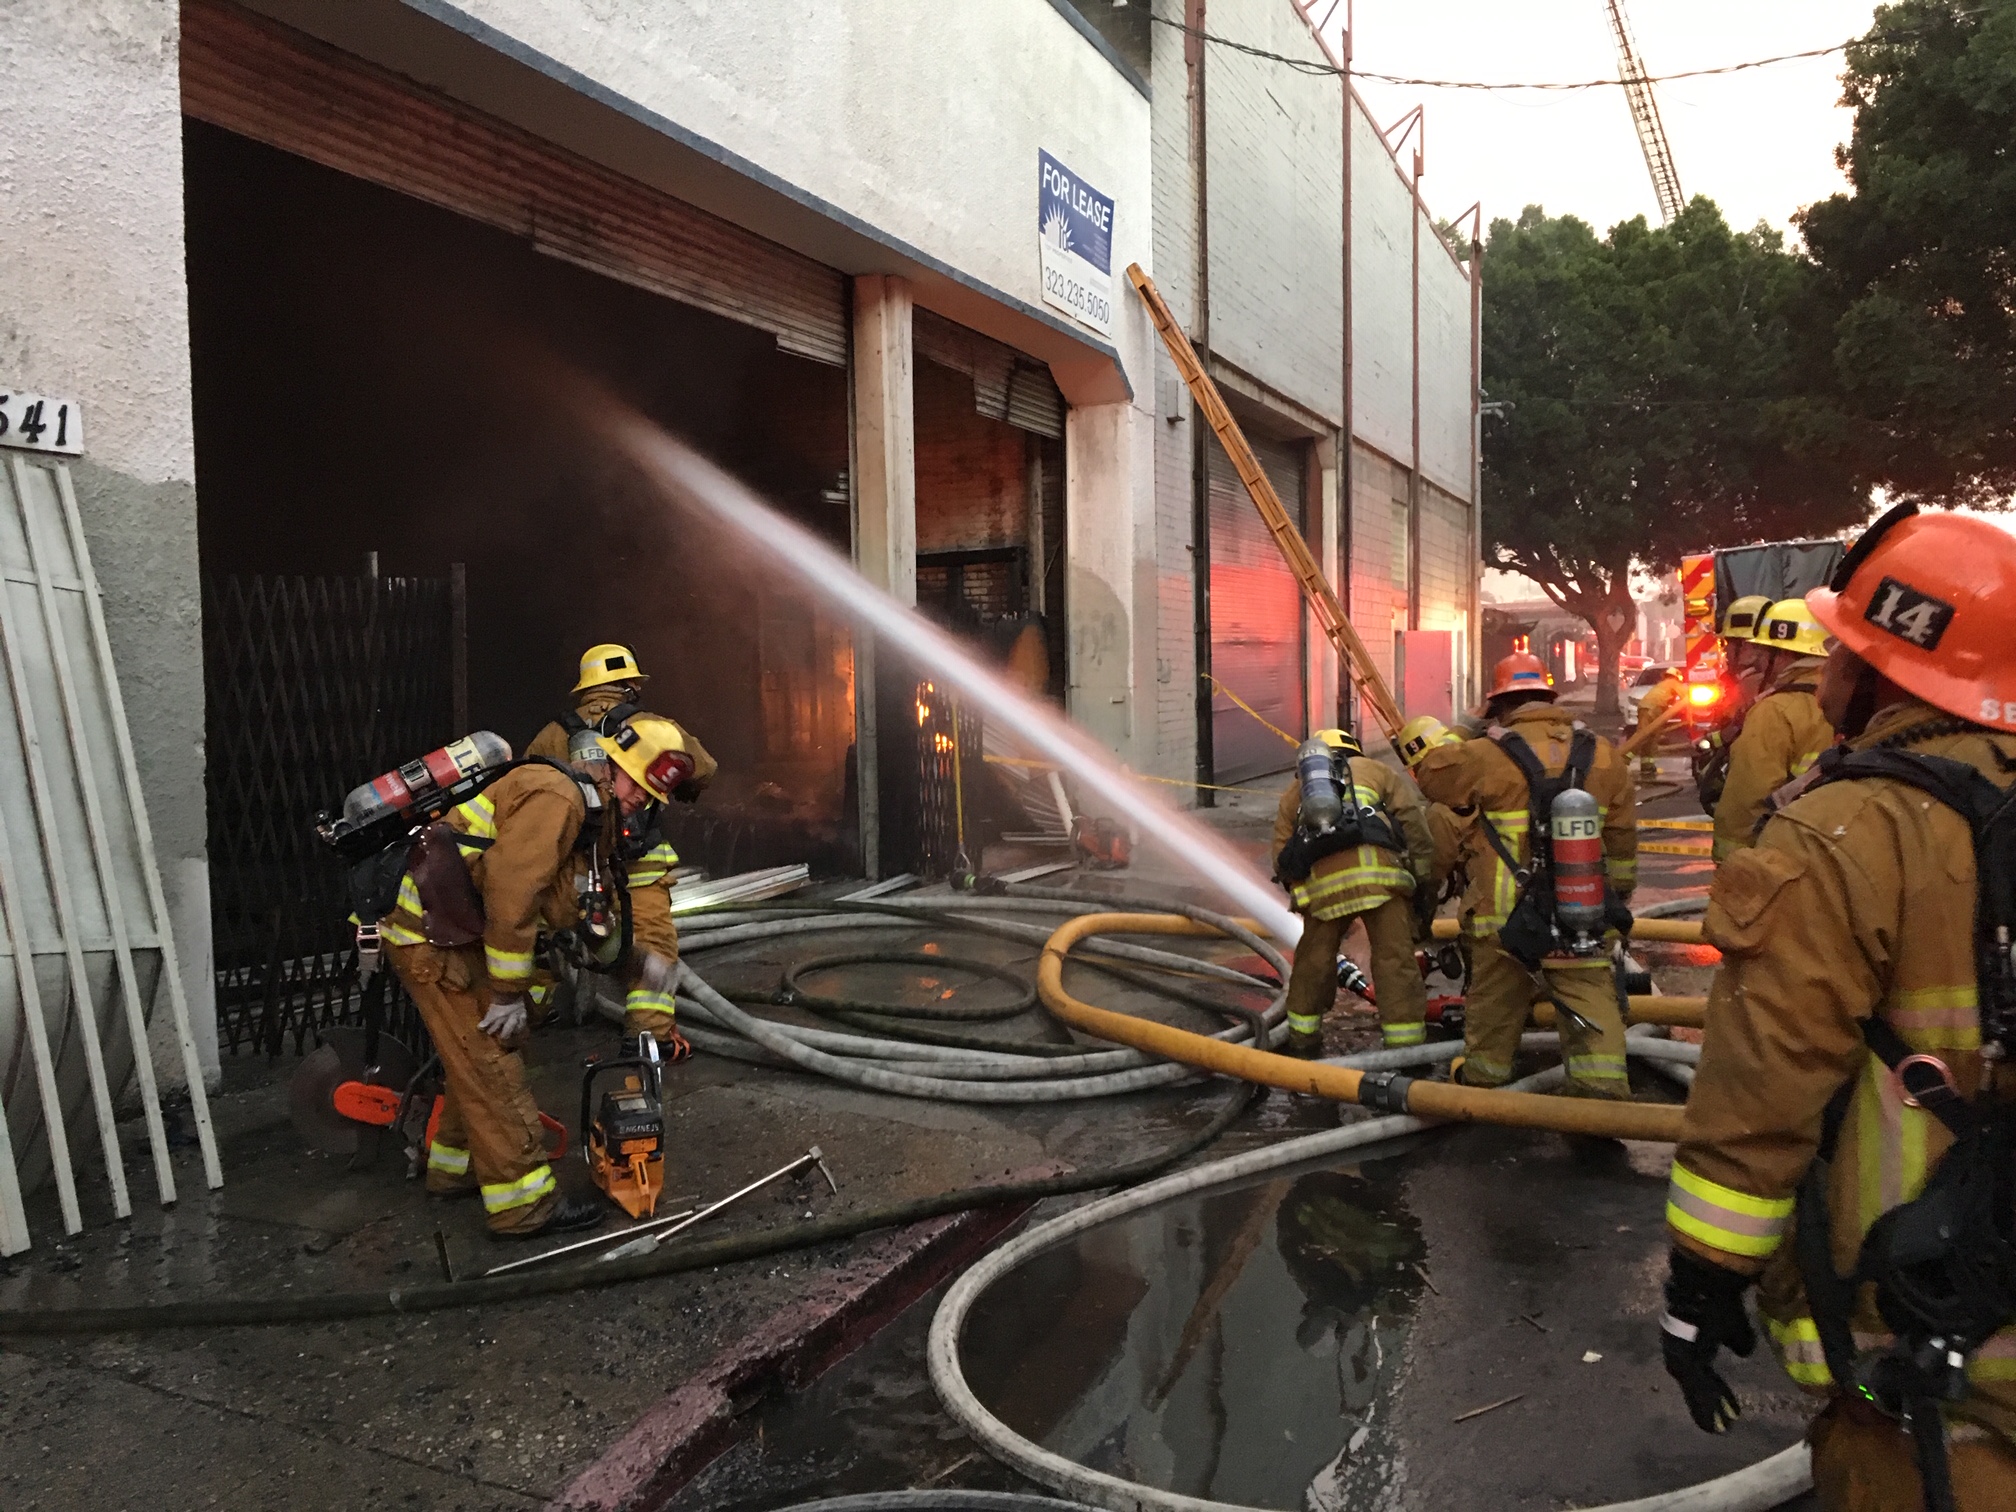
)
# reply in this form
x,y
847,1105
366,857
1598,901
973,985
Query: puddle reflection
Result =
x,y
1241,1347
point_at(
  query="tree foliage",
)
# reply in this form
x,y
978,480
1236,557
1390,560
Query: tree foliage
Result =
x,y
1916,303
1655,405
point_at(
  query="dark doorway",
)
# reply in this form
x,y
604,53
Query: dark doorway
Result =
x,y
375,374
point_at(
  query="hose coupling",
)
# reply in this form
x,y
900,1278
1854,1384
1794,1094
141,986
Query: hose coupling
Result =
x,y
1384,1091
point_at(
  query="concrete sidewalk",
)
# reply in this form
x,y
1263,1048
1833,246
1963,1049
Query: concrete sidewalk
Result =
x,y
467,1408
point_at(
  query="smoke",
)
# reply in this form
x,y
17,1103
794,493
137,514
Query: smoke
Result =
x,y
691,481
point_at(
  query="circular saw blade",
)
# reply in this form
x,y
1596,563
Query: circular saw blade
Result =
x,y
340,1058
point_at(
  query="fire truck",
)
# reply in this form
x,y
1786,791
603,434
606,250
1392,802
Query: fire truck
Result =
x,y
1711,581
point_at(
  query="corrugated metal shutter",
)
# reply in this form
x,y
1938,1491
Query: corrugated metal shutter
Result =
x,y
1006,384
272,84
1256,619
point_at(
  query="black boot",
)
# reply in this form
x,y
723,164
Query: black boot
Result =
x,y
569,1214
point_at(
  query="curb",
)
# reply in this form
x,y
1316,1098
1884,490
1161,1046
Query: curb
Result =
x,y
704,1418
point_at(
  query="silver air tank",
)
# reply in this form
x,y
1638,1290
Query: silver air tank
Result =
x,y
1322,798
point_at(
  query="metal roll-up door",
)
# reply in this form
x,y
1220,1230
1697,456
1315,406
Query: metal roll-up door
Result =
x,y
1256,619
1007,385
277,86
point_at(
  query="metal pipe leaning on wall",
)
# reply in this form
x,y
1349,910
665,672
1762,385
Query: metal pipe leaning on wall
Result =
x,y
1381,1091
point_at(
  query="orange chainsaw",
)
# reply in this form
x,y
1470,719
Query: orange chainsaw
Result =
x,y
341,1101
624,1142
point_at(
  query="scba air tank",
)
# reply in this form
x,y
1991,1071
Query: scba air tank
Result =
x,y
419,790
1575,827
1322,797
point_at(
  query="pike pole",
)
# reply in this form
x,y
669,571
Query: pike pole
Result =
x,y
1315,587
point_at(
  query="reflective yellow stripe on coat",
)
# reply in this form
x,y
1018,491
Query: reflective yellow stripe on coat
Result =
x,y
1371,876
1724,1218
652,865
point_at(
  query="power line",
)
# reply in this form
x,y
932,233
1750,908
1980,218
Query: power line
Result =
x,y
1331,70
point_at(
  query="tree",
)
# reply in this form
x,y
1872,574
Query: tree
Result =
x,y
1654,406
1915,316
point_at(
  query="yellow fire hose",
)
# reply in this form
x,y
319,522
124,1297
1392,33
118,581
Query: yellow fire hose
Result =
x,y
1384,1091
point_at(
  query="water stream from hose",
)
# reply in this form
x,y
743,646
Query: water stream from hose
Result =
x,y
695,483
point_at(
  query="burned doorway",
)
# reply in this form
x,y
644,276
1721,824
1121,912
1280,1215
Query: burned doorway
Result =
x,y
375,372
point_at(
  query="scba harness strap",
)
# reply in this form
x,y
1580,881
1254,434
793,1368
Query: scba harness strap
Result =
x,y
1944,1263
1359,824
1531,931
608,724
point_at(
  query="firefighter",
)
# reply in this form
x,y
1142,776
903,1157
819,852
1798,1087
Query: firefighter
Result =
x,y
1659,698
1739,687
1482,779
605,695
478,887
1848,936
1784,732
1446,827
1373,878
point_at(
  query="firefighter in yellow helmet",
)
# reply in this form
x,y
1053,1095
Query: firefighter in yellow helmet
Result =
x,y
1361,857
654,757
478,887
1498,781
1739,690
1446,827
1862,1015
605,696
1785,730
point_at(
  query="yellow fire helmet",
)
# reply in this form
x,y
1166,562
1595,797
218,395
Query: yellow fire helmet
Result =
x,y
1789,626
1420,735
1739,620
1340,740
610,663
652,751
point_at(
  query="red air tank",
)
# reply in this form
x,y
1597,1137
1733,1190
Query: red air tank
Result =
x,y
1575,825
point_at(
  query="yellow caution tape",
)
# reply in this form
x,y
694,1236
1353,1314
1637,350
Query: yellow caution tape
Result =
x,y
1218,687
1704,826
1660,848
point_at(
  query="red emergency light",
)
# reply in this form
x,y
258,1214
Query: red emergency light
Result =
x,y
1703,694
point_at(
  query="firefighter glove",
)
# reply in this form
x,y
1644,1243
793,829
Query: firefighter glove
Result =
x,y
505,1020
1704,1312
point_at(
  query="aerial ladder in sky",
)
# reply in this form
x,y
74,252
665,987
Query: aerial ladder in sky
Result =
x,y
1645,115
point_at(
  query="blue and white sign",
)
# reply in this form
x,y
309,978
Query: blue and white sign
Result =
x,y
1074,233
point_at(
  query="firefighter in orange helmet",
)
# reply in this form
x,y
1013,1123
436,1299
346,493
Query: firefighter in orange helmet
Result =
x,y
605,695
1372,878
1496,781
1857,1050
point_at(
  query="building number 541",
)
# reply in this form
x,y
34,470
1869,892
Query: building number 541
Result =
x,y
38,423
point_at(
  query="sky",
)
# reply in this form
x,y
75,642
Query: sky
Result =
x,y
1759,143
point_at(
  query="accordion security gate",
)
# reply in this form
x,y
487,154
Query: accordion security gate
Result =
x,y
314,685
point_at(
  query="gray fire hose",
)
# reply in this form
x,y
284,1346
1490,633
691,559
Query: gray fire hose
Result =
x,y
1767,1484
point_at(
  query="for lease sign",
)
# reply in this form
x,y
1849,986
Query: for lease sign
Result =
x,y
1074,237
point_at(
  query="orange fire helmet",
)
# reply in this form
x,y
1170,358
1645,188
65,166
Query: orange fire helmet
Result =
x,y
1929,600
1521,672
